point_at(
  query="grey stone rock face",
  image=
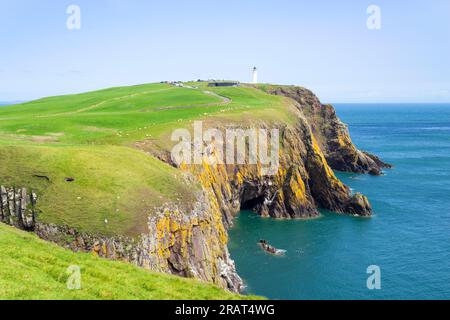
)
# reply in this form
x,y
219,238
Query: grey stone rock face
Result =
x,y
17,207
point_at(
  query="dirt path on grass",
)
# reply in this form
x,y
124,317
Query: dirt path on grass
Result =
x,y
224,101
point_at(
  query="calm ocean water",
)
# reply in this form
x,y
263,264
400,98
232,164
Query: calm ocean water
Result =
x,y
408,237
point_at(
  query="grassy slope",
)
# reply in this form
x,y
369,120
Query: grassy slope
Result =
x,y
115,183
91,137
35,269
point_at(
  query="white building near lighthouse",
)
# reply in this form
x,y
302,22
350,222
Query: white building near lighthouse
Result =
x,y
254,75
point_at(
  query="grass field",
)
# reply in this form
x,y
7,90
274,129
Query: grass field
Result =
x,y
34,269
91,137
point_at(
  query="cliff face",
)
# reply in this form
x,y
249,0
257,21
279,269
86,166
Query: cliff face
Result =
x,y
331,134
193,242
303,183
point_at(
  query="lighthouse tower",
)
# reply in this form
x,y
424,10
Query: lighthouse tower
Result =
x,y
254,75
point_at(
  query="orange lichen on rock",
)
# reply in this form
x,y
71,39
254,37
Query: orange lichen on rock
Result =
x,y
298,187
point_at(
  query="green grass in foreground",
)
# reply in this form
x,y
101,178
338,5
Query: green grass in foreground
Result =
x,y
31,268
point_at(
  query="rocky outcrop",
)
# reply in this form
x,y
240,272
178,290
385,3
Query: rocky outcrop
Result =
x,y
331,134
17,207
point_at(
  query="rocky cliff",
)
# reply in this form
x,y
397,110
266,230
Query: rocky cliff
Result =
x,y
331,134
303,182
192,241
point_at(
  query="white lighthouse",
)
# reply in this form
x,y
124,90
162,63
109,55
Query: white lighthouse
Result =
x,y
254,75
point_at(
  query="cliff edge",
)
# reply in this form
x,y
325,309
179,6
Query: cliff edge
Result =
x,y
331,133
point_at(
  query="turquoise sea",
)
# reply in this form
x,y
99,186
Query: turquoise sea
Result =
x,y
408,237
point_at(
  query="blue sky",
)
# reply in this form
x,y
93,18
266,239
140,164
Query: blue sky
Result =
x,y
323,45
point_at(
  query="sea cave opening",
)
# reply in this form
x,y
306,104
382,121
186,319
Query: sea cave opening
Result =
x,y
252,203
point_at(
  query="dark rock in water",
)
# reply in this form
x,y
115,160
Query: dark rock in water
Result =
x,y
378,161
269,248
359,204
